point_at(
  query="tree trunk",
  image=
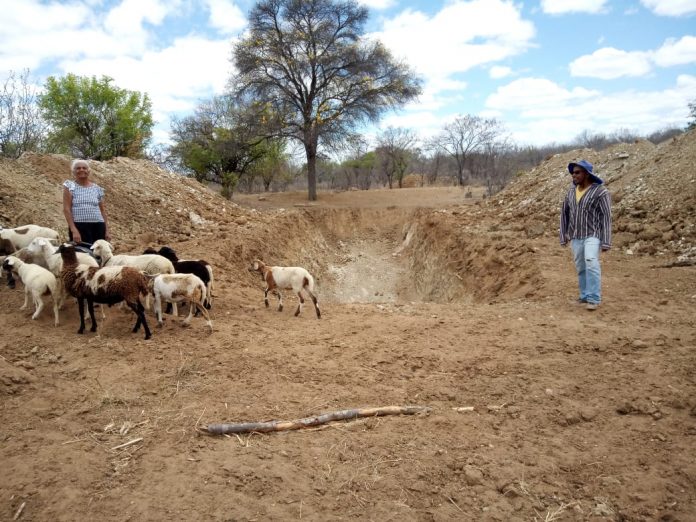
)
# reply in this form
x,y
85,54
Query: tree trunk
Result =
x,y
311,151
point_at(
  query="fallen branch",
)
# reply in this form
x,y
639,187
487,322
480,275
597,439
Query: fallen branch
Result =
x,y
19,511
265,427
129,443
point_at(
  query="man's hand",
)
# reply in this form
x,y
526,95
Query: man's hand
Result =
x,y
77,238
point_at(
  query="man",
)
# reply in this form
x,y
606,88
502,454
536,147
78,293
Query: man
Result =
x,y
586,223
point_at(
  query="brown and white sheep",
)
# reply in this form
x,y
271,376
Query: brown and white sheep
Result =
x,y
293,278
108,285
180,288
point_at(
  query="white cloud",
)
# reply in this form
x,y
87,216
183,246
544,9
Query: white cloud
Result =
x,y
225,16
440,46
159,73
609,63
676,52
499,71
378,4
541,111
670,7
556,7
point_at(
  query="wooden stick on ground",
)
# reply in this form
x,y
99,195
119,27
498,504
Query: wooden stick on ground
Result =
x,y
265,427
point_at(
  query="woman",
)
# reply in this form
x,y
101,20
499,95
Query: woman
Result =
x,y
83,206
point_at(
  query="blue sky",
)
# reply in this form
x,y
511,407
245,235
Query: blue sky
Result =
x,y
548,69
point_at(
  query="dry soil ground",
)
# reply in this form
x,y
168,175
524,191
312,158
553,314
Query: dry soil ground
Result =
x,y
576,415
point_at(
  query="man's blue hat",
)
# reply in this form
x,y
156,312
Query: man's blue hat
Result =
x,y
588,167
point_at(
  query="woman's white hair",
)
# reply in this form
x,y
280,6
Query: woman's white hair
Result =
x,y
77,162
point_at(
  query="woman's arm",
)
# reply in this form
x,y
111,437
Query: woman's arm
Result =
x,y
102,208
67,212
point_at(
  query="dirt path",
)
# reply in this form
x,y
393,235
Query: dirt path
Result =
x,y
576,415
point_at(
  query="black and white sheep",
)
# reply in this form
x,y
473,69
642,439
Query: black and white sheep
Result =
x,y
293,278
38,281
107,285
180,288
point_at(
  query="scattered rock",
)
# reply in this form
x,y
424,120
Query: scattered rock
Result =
x,y
473,476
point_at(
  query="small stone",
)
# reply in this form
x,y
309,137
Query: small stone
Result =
x,y
473,476
588,414
638,344
35,350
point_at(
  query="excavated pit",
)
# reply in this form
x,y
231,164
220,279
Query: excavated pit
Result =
x,y
406,255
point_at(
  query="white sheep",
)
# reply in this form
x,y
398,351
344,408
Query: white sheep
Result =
x,y
12,239
180,288
150,264
293,278
108,285
38,281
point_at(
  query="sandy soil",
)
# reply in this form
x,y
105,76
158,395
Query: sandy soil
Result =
x,y
430,197
576,415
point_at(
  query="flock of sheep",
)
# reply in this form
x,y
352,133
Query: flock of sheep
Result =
x,y
96,275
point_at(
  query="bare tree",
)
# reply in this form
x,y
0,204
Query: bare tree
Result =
x,y
466,135
22,128
311,64
394,151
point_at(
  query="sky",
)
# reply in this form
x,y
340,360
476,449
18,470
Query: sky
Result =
x,y
547,69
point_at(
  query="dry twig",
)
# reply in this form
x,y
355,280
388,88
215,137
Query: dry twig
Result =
x,y
265,427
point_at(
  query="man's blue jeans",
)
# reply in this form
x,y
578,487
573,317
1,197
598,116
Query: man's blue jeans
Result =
x,y
586,254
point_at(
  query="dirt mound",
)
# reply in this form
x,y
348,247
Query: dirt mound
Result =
x,y
653,192
145,203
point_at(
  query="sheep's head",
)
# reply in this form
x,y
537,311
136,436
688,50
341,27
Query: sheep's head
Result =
x,y
257,266
169,253
37,245
101,249
10,263
67,251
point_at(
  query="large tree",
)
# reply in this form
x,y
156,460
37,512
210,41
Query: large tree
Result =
x,y
220,142
310,61
22,128
465,136
395,149
93,118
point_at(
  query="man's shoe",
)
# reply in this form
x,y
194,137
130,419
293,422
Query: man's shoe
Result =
x,y
592,306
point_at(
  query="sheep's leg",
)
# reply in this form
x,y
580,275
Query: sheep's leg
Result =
x,y
187,321
26,298
265,296
38,304
280,299
158,309
139,310
92,317
209,295
175,310
55,310
81,308
315,302
299,305
204,312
